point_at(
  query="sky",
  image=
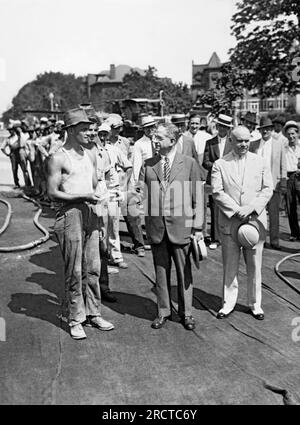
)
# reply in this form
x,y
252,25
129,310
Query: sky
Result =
x,y
86,36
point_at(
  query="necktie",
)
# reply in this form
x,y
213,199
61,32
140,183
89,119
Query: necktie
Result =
x,y
167,170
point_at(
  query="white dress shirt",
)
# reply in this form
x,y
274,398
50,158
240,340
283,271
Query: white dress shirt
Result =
x,y
292,155
222,142
240,162
200,139
265,151
142,150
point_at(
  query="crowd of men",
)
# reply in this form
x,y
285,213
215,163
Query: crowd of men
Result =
x,y
92,175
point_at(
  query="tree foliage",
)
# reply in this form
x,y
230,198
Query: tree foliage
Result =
x,y
68,92
267,32
176,96
229,87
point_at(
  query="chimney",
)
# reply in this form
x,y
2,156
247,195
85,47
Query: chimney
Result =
x,y
112,72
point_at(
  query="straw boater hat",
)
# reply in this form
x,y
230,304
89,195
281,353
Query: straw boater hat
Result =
x,y
75,116
178,119
199,251
148,121
247,234
224,120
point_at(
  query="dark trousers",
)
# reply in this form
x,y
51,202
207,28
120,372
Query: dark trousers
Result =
x,y
104,277
214,233
162,257
134,226
273,210
292,195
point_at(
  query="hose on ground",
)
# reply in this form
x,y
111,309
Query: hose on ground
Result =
x,y
280,275
31,244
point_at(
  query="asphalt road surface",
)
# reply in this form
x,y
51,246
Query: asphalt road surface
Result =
x,y
234,361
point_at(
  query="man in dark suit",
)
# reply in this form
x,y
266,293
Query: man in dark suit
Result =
x,y
216,148
173,213
186,145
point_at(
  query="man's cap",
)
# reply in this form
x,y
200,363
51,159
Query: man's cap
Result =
x,y
148,121
178,118
199,251
224,120
265,122
250,117
104,127
75,116
44,120
290,124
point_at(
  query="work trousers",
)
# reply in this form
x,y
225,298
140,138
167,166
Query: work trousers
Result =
x,y
77,231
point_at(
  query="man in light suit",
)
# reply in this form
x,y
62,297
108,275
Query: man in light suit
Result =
x,y
273,153
174,212
241,186
215,148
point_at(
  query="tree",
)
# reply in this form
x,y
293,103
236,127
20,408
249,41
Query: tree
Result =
x,y
68,91
229,87
177,96
267,33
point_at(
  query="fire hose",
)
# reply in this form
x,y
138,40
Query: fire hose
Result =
x,y
31,244
280,275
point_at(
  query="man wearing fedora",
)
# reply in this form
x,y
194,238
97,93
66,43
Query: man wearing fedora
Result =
x,y
273,153
215,148
173,213
292,153
71,184
241,187
277,133
186,145
249,120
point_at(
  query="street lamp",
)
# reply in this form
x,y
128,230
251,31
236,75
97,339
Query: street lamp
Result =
x,y
51,97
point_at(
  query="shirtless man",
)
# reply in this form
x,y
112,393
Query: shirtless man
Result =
x,y
71,183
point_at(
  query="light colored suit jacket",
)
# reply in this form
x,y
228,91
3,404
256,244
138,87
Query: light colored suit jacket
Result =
x,y
278,162
256,189
176,208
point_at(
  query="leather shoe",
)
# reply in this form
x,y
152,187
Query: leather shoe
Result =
x,y
159,322
259,316
275,247
108,297
222,315
188,323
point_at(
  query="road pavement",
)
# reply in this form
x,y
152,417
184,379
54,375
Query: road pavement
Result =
x,y
234,361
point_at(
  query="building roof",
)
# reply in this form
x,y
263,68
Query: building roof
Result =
x,y
120,71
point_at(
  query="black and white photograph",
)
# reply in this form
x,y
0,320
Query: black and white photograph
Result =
x,y
149,206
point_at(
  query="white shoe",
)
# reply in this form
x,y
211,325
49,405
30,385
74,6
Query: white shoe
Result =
x,y
99,323
77,332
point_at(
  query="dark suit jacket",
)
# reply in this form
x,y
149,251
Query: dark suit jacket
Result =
x,y
212,153
189,149
177,208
